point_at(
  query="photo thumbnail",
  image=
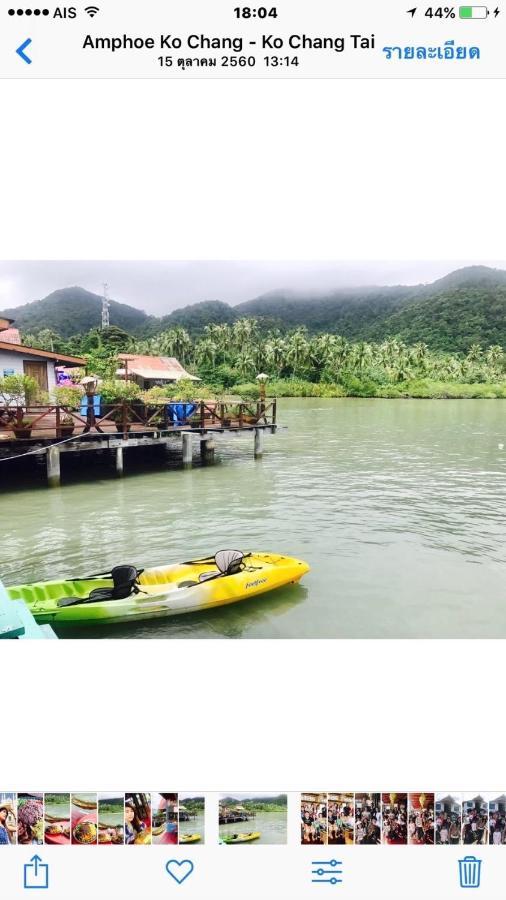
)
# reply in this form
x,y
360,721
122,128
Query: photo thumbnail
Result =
x,y
448,818
8,820
394,817
367,818
313,813
191,815
253,818
57,827
474,819
165,817
30,818
138,822
111,828
84,819
497,819
341,818
421,818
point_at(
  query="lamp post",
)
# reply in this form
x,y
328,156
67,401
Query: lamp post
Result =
x,y
89,384
262,379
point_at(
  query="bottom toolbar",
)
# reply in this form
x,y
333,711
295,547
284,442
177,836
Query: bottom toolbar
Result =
x,y
294,873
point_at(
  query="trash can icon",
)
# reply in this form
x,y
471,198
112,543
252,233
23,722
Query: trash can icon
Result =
x,y
470,872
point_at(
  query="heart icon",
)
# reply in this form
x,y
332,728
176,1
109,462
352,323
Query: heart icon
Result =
x,y
179,870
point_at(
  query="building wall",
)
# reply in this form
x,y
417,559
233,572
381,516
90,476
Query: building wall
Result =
x,y
10,360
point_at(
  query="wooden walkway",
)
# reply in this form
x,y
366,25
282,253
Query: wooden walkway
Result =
x,y
135,428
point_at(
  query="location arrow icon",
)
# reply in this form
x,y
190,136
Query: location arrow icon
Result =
x,y
21,51
412,11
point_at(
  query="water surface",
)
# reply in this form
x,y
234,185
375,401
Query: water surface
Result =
x,y
398,506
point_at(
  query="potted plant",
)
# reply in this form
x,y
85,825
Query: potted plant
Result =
x,y
122,418
117,395
69,398
22,429
67,425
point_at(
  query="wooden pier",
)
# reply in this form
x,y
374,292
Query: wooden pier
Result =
x,y
28,432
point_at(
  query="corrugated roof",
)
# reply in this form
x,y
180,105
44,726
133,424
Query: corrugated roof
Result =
x,y
163,368
11,336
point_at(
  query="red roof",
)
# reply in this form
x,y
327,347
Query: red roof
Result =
x,y
11,336
166,368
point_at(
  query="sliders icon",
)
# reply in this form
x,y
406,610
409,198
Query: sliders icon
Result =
x,y
320,871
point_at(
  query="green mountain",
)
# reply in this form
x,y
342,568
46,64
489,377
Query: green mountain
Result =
x,y
467,306
195,317
73,310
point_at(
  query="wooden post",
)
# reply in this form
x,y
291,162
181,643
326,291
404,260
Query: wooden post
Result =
x,y
207,448
58,422
53,466
259,443
119,461
187,450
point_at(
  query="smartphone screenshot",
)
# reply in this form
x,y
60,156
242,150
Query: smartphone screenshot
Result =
x,y
252,450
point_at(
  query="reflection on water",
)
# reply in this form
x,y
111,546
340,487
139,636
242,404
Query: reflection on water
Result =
x,y
397,506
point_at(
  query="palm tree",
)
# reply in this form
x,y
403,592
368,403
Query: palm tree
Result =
x,y
205,352
298,348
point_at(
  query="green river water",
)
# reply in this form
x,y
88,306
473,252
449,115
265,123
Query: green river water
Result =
x,y
397,505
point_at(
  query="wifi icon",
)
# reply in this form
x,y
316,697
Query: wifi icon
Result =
x,y
92,10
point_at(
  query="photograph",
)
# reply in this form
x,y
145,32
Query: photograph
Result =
x,y
448,818
367,818
313,818
341,818
165,818
84,819
497,819
367,384
8,821
57,818
474,819
253,818
394,809
421,818
111,829
191,811
30,818
137,818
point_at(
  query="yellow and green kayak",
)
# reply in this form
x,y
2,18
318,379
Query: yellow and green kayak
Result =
x,y
189,838
241,838
130,595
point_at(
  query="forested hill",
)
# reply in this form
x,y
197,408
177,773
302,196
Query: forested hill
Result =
x,y
466,307
73,310
452,320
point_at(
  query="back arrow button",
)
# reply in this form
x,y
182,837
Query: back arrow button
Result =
x,y
22,48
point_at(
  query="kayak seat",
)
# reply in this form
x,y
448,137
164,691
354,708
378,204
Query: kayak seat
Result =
x,y
124,583
228,562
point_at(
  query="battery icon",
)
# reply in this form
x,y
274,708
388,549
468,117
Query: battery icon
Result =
x,y
473,12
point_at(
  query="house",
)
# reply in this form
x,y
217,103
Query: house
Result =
x,y
16,359
151,371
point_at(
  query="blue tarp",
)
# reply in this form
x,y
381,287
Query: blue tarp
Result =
x,y
96,405
179,413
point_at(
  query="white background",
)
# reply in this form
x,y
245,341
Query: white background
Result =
x,y
279,170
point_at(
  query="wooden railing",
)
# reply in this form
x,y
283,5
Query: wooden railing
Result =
x,y
201,414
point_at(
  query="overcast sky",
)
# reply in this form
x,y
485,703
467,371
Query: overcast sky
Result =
x,y
159,287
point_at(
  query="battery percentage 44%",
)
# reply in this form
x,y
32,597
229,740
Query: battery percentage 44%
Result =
x,y
440,12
